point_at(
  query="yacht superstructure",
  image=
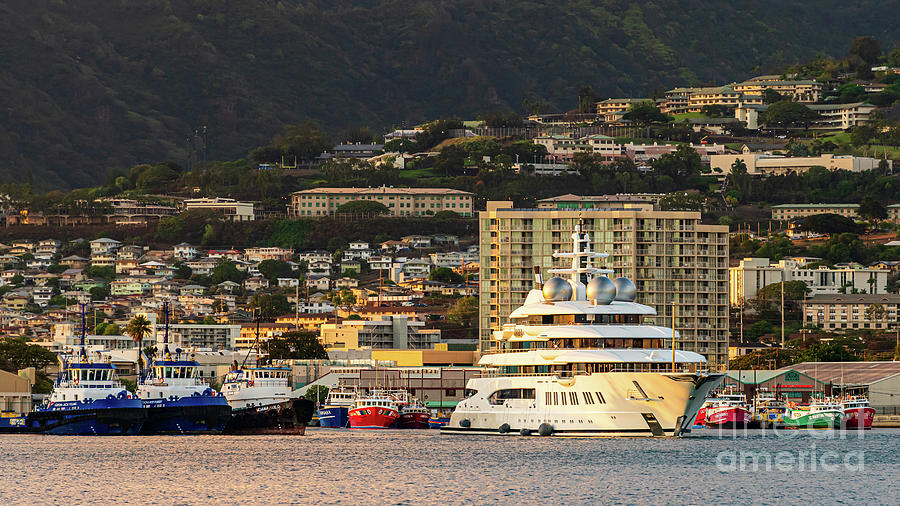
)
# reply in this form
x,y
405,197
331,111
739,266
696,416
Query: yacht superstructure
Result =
x,y
576,361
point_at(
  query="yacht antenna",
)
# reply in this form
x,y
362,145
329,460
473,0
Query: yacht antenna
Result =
x,y
580,256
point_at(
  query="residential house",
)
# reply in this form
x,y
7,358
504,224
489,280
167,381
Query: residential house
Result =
x,y
350,265
130,252
104,246
392,246
50,246
232,255
256,283
269,253
288,282
228,286
417,241
345,283
319,268
203,267
184,251
192,290
75,262
445,240
103,260
322,284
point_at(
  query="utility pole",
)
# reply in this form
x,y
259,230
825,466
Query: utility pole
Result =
x,y
782,308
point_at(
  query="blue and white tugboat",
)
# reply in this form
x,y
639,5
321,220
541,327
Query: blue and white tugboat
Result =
x,y
88,399
176,398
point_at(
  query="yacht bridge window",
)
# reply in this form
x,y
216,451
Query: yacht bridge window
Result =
x,y
583,319
500,396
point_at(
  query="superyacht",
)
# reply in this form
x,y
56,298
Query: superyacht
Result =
x,y
577,361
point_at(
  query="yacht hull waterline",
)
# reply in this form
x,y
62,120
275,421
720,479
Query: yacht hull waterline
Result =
x,y
682,395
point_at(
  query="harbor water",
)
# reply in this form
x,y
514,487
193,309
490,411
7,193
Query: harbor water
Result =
x,y
416,466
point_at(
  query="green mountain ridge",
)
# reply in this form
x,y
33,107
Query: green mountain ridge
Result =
x,y
89,86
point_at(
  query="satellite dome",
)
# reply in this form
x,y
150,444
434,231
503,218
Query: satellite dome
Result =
x,y
557,289
625,290
601,290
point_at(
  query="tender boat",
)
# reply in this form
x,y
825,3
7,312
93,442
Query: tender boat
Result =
x,y
858,414
577,361
818,415
176,398
728,410
376,410
335,413
88,399
439,418
700,420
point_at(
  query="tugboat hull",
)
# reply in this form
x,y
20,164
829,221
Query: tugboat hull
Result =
x,y
124,418
288,418
188,415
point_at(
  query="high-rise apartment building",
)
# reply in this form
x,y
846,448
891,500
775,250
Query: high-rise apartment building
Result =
x,y
676,262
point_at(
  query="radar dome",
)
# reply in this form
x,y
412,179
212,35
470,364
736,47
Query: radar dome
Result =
x,y
601,290
625,290
557,289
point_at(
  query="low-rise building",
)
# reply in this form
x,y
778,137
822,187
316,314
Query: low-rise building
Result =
x,y
754,274
15,393
233,210
786,212
831,116
394,332
562,148
195,335
398,201
852,311
765,164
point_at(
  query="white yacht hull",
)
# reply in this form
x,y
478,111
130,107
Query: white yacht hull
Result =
x,y
629,404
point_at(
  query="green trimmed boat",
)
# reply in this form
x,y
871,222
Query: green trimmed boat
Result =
x,y
818,415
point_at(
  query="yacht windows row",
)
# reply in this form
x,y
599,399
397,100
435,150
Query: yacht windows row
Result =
x,y
582,319
571,369
572,398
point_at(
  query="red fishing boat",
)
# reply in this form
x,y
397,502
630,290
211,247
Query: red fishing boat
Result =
x,y
414,416
728,411
377,410
858,414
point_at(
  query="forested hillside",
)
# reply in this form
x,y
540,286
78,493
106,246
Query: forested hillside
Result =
x,y
89,85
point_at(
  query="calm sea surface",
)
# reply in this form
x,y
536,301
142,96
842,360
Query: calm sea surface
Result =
x,y
415,467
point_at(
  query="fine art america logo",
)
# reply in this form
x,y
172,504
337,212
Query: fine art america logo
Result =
x,y
793,450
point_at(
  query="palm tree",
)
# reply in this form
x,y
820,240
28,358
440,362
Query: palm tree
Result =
x,y
138,328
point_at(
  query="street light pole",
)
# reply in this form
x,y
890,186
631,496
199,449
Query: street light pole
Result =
x,y
673,336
